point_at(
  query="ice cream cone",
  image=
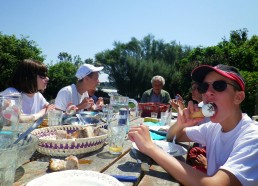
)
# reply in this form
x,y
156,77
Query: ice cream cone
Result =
x,y
207,110
198,114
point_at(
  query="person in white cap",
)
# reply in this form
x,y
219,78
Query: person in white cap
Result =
x,y
76,96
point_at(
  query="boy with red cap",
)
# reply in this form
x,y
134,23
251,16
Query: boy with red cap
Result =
x,y
230,137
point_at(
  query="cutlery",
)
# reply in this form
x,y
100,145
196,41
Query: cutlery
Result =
x,y
125,178
80,118
29,130
144,166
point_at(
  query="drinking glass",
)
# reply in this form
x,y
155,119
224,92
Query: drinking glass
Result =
x,y
163,118
154,115
10,109
55,117
8,157
116,137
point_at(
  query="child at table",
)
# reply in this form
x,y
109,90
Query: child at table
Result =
x,y
30,79
230,137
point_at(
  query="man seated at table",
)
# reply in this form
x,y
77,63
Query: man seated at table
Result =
x,y
230,136
76,95
156,93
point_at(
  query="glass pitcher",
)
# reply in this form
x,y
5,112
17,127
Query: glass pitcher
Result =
x,y
119,107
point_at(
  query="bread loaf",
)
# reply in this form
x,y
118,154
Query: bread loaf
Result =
x,y
71,162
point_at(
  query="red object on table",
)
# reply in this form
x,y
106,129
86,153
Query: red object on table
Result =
x,y
148,108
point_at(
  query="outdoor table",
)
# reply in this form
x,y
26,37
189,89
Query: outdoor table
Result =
x,y
103,162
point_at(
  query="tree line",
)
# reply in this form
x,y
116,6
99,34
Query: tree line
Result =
x,y
131,65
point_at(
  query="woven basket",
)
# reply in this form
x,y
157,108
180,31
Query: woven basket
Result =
x,y
66,147
148,108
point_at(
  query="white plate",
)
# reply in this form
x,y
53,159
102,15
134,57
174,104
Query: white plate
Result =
x,y
75,177
169,147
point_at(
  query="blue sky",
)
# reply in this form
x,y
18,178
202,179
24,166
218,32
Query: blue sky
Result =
x,y
86,27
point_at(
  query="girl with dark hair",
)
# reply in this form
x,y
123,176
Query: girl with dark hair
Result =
x,y
30,79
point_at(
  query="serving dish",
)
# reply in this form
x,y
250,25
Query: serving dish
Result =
x,y
49,145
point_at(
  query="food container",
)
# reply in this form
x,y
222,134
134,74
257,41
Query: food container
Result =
x,y
49,145
148,108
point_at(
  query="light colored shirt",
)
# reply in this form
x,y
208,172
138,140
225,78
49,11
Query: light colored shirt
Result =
x,y
235,151
30,105
69,94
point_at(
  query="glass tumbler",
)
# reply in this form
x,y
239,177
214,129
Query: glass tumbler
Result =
x,y
10,110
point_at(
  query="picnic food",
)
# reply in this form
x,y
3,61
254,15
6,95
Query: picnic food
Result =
x,y
86,132
148,119
207,110
71,162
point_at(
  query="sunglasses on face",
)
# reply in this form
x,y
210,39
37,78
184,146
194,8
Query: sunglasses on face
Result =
x,y
218,86
42,76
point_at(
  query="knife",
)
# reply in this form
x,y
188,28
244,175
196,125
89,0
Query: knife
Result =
x,y
125,178
162,133
35,125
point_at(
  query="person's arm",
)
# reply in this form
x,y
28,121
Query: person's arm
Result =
x,y
182,172
86,103
176,103
167,97
183,120
43,111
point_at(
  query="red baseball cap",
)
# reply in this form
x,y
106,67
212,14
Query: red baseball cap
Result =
x,y
199,73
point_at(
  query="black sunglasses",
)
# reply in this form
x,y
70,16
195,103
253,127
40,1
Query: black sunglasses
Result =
x,y
42,76
218,86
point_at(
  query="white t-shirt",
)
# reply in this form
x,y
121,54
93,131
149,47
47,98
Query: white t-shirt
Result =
x,y
69,94
235,151
30,105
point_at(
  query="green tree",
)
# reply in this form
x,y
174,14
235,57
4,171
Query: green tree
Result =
x,y
12,51
238,51
132,65
60,75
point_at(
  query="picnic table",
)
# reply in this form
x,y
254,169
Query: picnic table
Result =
x,y
104,162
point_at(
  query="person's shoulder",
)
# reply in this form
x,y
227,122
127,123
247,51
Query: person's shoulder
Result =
x,y
248,123
164,91
147,91
9,90
67,88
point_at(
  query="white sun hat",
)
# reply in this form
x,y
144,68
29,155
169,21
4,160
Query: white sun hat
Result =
x,y
86,69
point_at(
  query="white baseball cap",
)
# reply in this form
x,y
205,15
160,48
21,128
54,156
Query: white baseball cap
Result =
x,y
86,69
